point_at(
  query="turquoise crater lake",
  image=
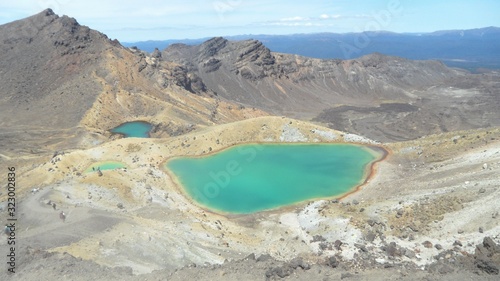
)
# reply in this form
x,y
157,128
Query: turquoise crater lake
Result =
x,y
134,129
256,177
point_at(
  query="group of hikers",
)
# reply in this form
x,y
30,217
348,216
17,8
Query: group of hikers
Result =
x,y
62,215
98,170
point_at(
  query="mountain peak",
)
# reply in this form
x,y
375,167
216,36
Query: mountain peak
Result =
x,y
42,53
42,18
48,12
41,23
46,26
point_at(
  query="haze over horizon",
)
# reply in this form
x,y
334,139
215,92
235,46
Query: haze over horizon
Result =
x,y
129,21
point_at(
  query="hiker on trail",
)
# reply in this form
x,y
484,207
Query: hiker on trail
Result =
x,y
62,216
54,206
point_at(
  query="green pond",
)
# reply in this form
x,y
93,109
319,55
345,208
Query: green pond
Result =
x,y
256,177
135,129
105,165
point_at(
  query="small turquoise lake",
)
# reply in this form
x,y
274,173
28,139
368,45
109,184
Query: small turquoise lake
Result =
x,y
257,177
135,129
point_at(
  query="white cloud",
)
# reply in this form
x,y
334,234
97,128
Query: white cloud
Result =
x,y
363,16
295,24
329,17
321,20
294,19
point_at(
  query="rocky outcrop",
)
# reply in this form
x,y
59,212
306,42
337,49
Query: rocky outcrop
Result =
x,y
487,256
211,48
189,81
255,52
287,269
156,54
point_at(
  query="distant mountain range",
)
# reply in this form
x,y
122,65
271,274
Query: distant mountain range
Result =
x,y
469,49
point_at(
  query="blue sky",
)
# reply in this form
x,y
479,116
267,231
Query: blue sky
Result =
x,y
132,20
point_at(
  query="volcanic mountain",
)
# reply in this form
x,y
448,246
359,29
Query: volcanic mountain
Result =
x,y
65,84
